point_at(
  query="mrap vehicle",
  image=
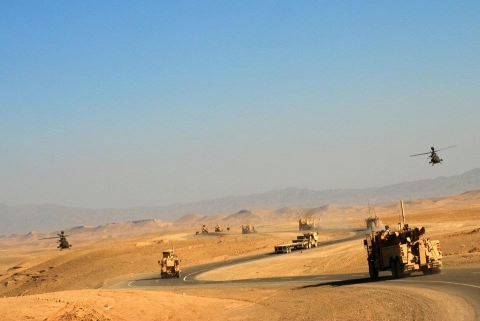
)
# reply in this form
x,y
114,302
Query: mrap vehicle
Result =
x,y
170,265
402,252
305,224
372,222
247,229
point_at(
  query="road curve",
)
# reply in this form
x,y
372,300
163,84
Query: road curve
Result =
x,y
460,281
189,273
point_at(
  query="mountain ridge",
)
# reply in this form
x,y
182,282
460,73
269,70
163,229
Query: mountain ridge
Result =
x,y
40,217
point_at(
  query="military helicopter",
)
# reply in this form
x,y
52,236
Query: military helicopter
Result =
x,y
434,159
62,241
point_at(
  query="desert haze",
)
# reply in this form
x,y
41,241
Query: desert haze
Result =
x,y
99,277
47,217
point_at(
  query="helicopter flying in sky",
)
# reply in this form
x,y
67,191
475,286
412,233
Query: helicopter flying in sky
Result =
x,y
434,159
62,240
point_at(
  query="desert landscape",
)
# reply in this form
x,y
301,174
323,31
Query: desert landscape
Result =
x,y
130,130
91,280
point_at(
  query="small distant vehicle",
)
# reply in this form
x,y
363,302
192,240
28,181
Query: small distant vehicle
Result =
x,y
305,241
170,265
372,222
204,230
305,224
62,241
218,228
248,229
434,159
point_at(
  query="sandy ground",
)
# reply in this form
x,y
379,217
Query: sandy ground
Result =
x,y
38,282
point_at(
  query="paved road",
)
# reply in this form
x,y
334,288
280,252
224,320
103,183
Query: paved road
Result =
x,y
189,273
461,281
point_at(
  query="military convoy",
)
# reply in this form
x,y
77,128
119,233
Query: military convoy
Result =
x,y
170,265
402,252
305,241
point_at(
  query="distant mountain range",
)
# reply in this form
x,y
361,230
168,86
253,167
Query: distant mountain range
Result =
x,y
50,217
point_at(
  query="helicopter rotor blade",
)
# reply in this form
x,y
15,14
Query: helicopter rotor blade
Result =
x,y
48,238
421,154
446,148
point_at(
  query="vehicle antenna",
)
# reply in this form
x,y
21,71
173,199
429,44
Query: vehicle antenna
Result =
x,y
403,213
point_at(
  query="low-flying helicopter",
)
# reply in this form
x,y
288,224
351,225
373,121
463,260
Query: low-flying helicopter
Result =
x,y
434,159
62,240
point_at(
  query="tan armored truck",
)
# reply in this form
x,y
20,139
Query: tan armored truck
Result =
x,y
305,241
372,222
402,252
204,230
218,228
170,265
247,229
306,224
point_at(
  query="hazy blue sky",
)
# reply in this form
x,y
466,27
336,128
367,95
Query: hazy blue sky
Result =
x,y
120,104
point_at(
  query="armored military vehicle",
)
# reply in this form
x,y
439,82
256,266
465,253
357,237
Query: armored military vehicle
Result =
x,y
403,251
247,229
170,265
306,224
372,222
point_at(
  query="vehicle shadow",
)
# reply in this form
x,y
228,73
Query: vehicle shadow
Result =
x,y
148,279
349,282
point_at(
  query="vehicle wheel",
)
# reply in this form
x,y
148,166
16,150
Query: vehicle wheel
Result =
x,y
372,270
399,268
178,275
426,272
393,267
